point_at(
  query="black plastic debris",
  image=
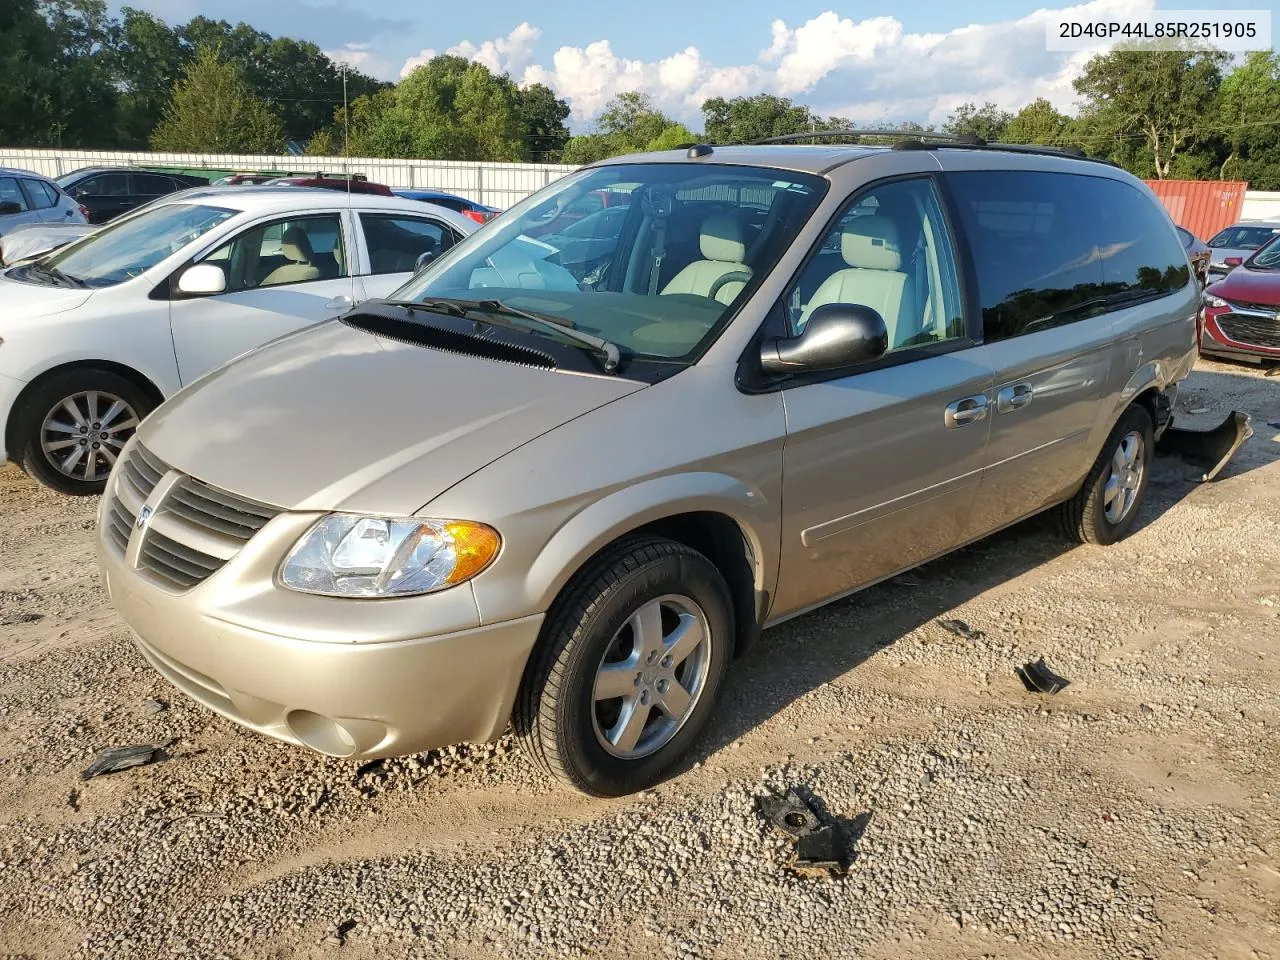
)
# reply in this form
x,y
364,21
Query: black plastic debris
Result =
x,y
961,629
1038,678
821,849
14,619
115,759
1208,450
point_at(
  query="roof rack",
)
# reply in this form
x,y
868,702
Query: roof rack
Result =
x,y
928,140
853,132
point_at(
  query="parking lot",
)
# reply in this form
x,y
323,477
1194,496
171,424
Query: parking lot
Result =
x,y
1134,814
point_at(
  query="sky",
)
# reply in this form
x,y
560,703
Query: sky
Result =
x,y
871,62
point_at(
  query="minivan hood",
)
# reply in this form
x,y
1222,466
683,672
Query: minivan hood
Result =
x,y
20,300
1249,286
334,418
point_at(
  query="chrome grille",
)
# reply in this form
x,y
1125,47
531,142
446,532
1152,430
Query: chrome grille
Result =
x,y
1252,330
194,529
214,510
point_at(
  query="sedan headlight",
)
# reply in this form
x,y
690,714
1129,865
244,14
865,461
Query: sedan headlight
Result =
x,y
1211,301
351,556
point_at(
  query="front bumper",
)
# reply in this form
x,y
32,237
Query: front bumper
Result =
x,y
1216,338
285,675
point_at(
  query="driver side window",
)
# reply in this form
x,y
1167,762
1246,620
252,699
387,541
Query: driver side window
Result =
x,y
889,250
297,250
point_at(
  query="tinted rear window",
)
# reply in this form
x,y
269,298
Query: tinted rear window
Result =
x,y
1241,237
1053,248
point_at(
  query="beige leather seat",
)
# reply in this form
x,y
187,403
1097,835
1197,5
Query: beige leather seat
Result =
x,y
722,241
297,250
873,277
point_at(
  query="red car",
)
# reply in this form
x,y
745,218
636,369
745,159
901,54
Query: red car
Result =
x,y
354,185
1241,316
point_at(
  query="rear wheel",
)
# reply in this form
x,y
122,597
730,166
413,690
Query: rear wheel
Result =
x,y
1107,506
629,666
72,426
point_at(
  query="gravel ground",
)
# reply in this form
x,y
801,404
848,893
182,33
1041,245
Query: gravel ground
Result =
x,y
1135,814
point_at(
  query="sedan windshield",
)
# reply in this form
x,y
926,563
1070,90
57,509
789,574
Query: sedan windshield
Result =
x,y
1243,237
1268,258
122,250
651,257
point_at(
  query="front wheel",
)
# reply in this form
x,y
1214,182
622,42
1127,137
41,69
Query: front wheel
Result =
x,y
1107,506
629,666
73,425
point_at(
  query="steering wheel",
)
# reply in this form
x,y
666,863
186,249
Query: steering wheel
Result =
x,y
737,276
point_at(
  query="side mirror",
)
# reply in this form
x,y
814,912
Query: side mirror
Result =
x,y
837,335
202,280
8,206
424,259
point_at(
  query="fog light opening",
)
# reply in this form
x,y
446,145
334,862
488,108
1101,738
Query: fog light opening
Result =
x,y
321,733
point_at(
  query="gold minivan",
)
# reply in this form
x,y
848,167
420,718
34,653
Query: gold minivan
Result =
x,y
570,470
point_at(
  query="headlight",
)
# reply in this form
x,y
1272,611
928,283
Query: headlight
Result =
x,y
1211,301
349,556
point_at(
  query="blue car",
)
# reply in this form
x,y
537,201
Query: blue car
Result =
x,y
468,208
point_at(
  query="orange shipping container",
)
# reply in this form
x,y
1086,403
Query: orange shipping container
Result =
x,y
1202,206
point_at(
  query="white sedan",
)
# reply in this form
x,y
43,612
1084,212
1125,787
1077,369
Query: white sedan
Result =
x,y
95,335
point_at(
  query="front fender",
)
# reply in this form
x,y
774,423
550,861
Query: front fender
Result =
x,y
584,533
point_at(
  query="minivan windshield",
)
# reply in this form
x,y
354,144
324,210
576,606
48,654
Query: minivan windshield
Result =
x,y
124,249
652,257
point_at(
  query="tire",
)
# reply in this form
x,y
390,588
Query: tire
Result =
x,y
595,631
43,419
1092,516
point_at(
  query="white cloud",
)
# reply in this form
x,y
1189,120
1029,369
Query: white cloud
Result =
x,y
358,56
868,70
509,54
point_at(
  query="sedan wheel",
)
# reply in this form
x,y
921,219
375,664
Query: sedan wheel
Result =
x,y
82,436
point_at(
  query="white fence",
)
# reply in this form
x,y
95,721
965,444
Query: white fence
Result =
x,y
496,184
1261,205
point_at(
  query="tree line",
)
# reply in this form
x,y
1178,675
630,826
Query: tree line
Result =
x,y
73,76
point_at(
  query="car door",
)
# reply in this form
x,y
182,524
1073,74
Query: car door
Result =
x,y
149,186
41,199
391,246
104,195
282,274
882,461
15,207
1039,242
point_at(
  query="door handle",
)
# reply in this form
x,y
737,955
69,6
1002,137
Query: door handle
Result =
x,y
1014,397
969,410
338,303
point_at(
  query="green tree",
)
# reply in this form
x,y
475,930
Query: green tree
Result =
x,y
630,123
1159,99
987,121
673,135
542,115
213,110
448,109
1246,116
147,58
1037,122
743,119
55,84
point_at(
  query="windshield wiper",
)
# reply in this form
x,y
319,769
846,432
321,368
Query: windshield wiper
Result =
x,y
54,274
608,350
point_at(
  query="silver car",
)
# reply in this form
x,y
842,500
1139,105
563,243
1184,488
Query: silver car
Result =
x,y
28,198
516,495
1232,246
